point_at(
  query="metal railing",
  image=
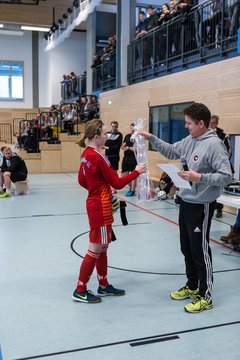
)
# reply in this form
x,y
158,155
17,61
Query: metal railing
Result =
x,y
73,88
6,133
205,34
16,125
104,75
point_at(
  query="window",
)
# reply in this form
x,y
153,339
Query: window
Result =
x,y
11,80
167,122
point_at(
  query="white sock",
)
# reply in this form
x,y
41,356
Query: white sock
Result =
x,y
8,191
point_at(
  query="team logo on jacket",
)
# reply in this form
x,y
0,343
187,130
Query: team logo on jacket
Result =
x,y
196,158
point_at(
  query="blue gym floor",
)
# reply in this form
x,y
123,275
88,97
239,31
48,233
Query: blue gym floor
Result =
x,y
43,237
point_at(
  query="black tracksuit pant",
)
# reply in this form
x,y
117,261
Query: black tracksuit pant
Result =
x,y
194,224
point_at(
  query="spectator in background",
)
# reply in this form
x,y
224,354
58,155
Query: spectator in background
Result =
x,y
23,135
188,25
97,73
96,61
112,43
141,28
235,19
13,169
209,26
83,85
111,65
74,83
152,20
83,109
113,145
67,122
67,86
93,108
129,160
161,36
221,134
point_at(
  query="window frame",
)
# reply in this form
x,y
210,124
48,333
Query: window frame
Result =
x,y
169,122
12,63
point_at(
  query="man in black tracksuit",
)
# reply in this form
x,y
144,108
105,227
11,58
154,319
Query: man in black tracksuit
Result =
x,y
113,145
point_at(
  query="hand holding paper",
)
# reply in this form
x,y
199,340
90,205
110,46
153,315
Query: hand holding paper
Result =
x,y
172,170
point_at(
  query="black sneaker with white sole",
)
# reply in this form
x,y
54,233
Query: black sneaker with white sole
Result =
x,y
110,291
86,297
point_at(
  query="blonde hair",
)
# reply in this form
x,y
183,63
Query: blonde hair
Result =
x,y
6,148
92,128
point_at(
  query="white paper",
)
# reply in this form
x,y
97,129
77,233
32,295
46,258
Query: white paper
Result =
x,y
172,170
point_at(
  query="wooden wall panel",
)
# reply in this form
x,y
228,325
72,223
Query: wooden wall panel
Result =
x,y
33,166
51,161
70,157
216,85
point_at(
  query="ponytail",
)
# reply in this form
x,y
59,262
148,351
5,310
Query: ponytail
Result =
x,y
82,143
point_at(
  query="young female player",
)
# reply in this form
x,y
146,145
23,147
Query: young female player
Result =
x,y
97,176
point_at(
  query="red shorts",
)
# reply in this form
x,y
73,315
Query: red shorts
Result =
x,y
101,235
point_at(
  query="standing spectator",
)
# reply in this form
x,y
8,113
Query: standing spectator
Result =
x,y
129,160
74,83
97,176
209,170
113,145
152,20
141,28
235,19
161,36
83,79
96,61
66,83
13,169
209,26
220,133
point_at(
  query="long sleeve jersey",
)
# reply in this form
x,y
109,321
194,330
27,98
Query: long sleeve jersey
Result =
x,y
97,176
205,154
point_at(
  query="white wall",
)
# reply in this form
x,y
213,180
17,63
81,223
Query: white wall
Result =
x,y
19,48
66,57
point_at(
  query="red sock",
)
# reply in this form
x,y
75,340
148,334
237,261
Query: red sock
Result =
x,y
101,266
86,270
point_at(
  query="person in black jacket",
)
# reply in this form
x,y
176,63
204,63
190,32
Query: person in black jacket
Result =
x,y
113,145
13,169
221,134
152,22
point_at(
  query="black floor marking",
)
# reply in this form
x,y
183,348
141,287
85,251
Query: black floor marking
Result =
x,y
130,341
40,215
141,271
167,338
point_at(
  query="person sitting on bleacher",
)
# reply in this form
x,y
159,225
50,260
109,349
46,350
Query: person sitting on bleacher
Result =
x,y
13,169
